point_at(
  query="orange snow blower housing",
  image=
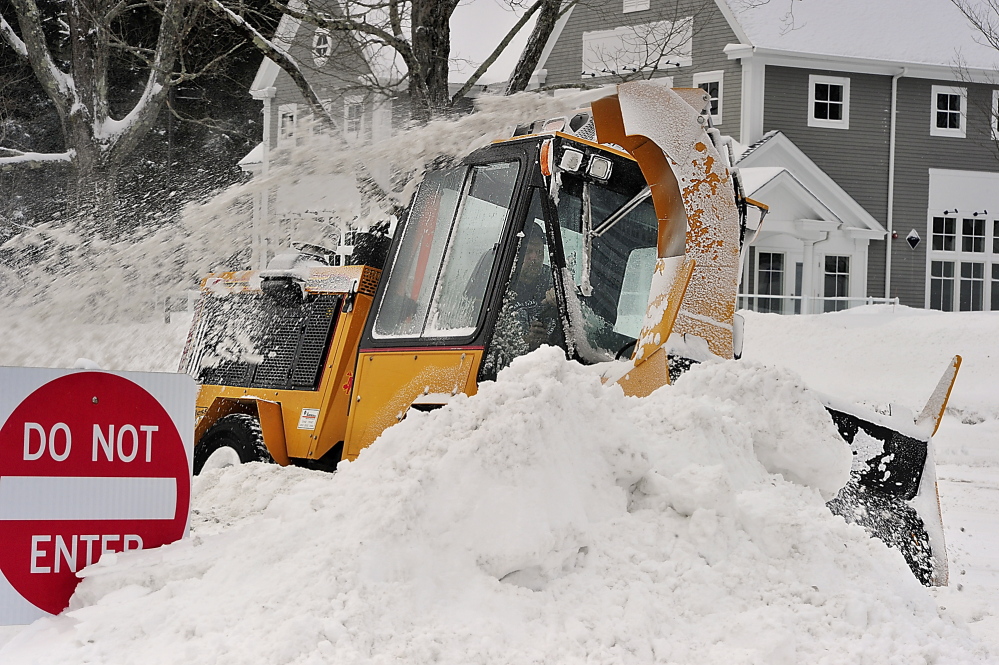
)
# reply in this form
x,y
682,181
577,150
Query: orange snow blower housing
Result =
x,y
616,232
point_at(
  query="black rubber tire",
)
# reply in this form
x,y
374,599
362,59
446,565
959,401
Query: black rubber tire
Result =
x,y
238,431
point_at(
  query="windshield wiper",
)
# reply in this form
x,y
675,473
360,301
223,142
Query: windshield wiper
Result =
x,y
621,212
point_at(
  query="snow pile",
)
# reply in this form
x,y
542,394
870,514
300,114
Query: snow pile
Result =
x,y
546,519
877,355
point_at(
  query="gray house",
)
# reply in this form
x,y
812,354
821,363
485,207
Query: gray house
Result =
x,y
341,73
870,127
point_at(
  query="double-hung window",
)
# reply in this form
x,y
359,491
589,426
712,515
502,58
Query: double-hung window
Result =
x,y
837,283
353,118
829,102
711,83
949,110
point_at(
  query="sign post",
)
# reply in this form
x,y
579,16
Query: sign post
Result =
x,y
91,462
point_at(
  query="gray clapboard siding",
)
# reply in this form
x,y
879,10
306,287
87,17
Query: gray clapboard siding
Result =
x,y
916,153
331,81
711,34
856,158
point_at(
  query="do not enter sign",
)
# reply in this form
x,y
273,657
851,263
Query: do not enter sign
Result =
x,y
90,463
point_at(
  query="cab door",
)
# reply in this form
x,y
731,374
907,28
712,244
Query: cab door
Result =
x,y
435,304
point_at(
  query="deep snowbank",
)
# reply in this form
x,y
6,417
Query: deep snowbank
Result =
x,y
547,519
883,354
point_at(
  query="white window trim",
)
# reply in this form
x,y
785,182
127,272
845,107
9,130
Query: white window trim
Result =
x,y
282,134
995,115
961,131
321,60
831,80
712,77
635,6
348,101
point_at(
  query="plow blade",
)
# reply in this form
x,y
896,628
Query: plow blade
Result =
x,y
893,490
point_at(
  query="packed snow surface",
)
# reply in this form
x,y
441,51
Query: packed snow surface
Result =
x,y
552,519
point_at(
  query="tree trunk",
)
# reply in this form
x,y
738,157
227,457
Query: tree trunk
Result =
x,y
432,49
92,199
547,18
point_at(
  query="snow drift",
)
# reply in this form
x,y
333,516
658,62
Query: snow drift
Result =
x,y
546,519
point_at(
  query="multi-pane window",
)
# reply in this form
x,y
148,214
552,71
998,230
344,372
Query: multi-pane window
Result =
x,y
635,5
948,111
944,234
995,115
829,102
711,87
287,120
711,83
963,261
837,283
633,49
353,115
942,285
770,282
973,235
972,286
322,46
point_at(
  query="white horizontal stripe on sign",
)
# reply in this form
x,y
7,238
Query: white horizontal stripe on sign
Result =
x,y
76,498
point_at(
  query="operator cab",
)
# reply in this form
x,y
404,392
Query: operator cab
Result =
x,y
543,239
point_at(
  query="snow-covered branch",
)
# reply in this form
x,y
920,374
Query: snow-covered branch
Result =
x,y
278,53
58,86
11,157
11,38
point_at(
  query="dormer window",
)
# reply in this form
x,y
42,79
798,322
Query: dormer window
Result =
x,y
829,102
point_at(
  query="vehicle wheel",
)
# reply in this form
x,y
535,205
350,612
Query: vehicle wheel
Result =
x,y
234,439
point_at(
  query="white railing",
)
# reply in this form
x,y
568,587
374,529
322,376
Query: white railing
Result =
x,y
807,304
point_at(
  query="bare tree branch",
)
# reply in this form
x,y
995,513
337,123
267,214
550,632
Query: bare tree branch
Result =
x,y
279,56
12,39
487,63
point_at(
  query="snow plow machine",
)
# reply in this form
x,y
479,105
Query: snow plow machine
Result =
x,y
615,233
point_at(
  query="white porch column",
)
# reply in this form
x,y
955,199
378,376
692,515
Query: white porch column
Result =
x,y
858,271
261,203
811,231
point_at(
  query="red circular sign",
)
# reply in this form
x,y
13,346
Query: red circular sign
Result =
x,y
89,463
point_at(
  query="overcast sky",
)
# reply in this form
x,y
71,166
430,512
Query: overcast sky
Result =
x,y
477,26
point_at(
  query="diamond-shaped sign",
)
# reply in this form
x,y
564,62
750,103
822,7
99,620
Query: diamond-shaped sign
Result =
x,y
913,238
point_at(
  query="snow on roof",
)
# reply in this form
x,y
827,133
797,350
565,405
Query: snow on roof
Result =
x,y
754,178
255,156
923,32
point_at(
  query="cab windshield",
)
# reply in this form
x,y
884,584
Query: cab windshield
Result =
x,y
437,284
622,259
